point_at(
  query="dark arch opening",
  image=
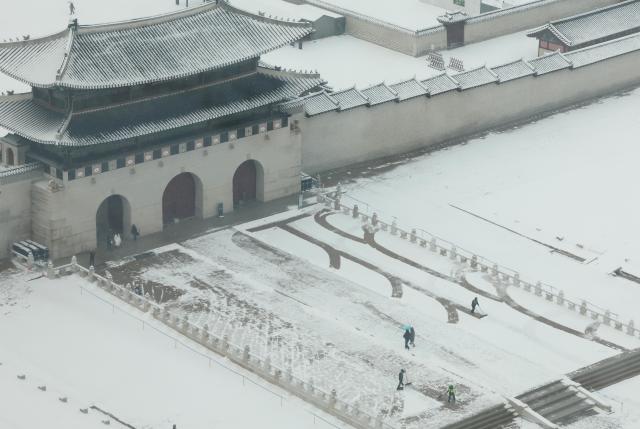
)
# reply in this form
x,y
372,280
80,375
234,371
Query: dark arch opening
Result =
x,y
180,199
113,217
10,156
247,183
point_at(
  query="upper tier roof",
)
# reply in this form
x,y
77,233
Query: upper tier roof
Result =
x,y
611,21
26,117
146,50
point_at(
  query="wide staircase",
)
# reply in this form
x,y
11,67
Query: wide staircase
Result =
x,y
559,403
498,417
609,371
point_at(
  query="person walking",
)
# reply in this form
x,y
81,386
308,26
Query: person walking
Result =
x,y
401,380
407,338
474,304
451,392
412,335
92,258
134,232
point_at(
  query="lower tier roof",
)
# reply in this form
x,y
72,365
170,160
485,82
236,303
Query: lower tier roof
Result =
x,y
25,117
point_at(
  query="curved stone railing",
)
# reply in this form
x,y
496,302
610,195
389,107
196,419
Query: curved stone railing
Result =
x,y
221,343
474,261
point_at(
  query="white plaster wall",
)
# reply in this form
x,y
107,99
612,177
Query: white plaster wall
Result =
x,y
65,220
524,17
337,139
387,36
15,214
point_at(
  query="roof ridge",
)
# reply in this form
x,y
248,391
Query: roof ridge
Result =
x,y
152,19
67,53
30,40
594,11
226,5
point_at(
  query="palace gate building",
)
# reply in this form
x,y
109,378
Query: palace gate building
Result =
x,y
147,122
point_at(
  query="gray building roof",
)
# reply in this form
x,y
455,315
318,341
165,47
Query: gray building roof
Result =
x,y
321,102
601,52
349,98
513,70
594,26
379,93
26,118
409,89
147,50
441,83
549,62
475,77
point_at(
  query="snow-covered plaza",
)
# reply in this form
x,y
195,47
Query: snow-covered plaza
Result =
x,y
297,319
307,290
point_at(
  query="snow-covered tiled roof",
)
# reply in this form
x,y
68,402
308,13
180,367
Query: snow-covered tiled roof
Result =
x,y
349,98
604,23
319,103
164,47
612,48
475,77
439,84
22,116
513,70
323,102
549,62
408,89
379,93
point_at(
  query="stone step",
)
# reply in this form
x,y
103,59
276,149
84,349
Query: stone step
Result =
x,y
573,413
541,392
493,418
612,376
552,398
554,407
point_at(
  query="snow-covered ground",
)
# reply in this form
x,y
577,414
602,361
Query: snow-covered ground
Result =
x,y
96,351
282,9
340,327
565,180
409,14
345,61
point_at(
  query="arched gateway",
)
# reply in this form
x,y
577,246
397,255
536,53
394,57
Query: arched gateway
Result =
x,y
180,199
113,217
10,156
247,182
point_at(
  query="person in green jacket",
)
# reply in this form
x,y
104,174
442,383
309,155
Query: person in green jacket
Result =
x,y
451,391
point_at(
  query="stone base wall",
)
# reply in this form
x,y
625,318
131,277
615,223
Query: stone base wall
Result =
x,y
337,139
65,220
15,214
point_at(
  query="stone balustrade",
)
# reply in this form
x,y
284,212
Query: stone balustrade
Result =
x,y
220,343
498,273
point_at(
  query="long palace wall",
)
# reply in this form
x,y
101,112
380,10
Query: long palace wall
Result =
x,y
65,219
477,28
526,16
336,139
